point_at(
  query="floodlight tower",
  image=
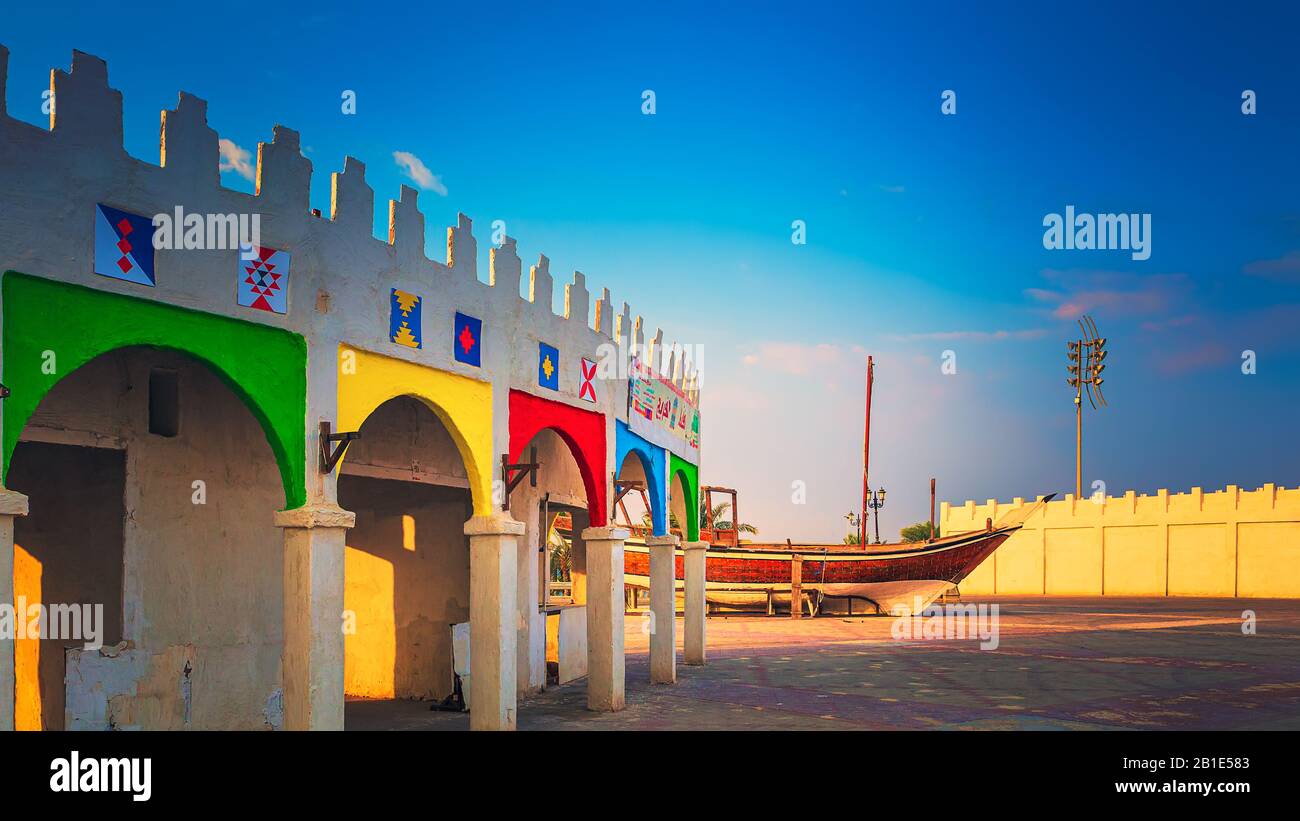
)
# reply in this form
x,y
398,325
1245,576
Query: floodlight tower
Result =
x,y
1086,362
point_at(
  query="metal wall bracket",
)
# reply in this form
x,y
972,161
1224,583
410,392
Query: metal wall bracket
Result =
x,y
528,469
329,457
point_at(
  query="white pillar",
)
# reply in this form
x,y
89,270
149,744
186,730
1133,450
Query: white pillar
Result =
x,y
695,602
493,620
663,608
605,617
12,504
315,537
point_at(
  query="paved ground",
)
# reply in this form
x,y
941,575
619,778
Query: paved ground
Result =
x,y
1076,663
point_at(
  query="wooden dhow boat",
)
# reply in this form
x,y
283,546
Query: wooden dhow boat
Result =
x,y
881,578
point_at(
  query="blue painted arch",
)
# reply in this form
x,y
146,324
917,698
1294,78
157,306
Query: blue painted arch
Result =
x,y
654,461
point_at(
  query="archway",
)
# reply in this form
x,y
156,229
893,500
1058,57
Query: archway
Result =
x,y
571,452
152,488
420,470
685,500
684,495
53,328
463,406
407,561
639,461
555,513
582,431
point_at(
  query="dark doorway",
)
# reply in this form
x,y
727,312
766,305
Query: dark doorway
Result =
x,y
67,551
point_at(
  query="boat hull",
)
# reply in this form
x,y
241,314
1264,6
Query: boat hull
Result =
x,y
909,577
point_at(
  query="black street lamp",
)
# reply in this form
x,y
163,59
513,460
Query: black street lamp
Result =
x,y
854,521
876,502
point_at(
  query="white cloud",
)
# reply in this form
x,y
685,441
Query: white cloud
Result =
x,y
892,189
234,158
419,173
793,357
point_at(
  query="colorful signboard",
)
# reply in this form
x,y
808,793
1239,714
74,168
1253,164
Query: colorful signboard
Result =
x,y
661,412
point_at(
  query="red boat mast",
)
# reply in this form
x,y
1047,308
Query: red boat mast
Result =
x,y
866,459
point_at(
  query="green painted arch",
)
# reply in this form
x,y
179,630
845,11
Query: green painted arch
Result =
x,y
690,475
265,367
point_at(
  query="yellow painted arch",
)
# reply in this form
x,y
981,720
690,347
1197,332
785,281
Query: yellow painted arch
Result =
x,y
463,405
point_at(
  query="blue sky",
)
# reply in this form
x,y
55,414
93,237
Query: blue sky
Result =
x,y
924,231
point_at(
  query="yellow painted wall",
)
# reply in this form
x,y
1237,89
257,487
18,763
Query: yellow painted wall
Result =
x,y
1201,561
406,580
983,579
1134,563
1019,565
1072,565
1225,543
1268,559
463,405
370,654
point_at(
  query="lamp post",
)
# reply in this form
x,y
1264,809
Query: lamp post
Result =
x,y
876,502
854,521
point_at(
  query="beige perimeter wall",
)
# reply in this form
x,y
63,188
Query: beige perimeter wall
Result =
x,y
1226,543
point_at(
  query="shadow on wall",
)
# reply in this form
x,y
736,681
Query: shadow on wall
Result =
x,y
406,581
68,550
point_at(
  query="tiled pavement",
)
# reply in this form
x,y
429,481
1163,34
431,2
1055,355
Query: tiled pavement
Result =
x,y
1061,663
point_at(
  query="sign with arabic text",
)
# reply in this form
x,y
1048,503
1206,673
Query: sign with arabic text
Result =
x,y
661,412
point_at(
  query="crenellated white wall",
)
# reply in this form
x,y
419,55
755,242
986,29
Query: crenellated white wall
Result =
x,y
340,275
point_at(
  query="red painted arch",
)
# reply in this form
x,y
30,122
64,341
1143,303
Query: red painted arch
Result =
x,y
582,430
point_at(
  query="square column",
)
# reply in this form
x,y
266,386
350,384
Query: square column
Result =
x,y
312,659
605,678
493,620
12,504
695,601
663,608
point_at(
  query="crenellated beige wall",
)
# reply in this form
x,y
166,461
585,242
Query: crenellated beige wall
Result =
x,y
1225,543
